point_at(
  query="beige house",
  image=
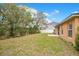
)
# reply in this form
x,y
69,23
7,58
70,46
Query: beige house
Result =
x,y
67,29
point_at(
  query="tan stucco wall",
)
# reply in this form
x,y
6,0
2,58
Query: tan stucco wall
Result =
x,y
64,26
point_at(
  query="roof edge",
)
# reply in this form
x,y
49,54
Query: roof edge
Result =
x,y
68,18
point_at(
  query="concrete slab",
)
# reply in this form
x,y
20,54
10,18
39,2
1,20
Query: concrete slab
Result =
x,y
53,35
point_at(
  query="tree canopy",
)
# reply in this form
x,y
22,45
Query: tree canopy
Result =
x,y
18,21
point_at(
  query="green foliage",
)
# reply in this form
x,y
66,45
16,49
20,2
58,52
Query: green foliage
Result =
x,y
15,20
2,31
33,30
77,41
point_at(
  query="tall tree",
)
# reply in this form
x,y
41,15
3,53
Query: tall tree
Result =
x,y
40,19
16,18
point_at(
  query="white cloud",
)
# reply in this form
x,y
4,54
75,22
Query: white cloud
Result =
x,y
53,18
46,14
52,14
48,20
55,12
33,10
75,12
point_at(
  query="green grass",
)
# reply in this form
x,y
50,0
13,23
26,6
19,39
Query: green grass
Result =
x,y
36,44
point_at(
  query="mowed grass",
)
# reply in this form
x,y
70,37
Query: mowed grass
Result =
x,y
36,45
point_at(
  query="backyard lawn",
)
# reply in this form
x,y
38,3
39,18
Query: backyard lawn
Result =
x,y
36,45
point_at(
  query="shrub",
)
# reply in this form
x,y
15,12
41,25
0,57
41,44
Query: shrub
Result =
x,y
77,41
33,30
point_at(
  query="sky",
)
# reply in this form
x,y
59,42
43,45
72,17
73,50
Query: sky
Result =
x,y
55,12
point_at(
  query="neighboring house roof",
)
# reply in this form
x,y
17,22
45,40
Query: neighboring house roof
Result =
x,y
68,18
50,25
49,28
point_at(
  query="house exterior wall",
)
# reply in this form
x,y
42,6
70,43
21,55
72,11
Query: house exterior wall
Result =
x,y
76,25
64,27
56,30
65,32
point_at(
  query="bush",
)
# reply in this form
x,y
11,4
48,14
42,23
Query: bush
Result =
x,y
33,30
20,31
76,47
77,41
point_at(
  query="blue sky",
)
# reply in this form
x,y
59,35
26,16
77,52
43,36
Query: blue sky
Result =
x,y
55,11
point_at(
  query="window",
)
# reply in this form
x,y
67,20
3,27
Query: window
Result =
x,y
70,30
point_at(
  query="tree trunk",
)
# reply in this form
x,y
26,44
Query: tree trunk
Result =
x,y
11,29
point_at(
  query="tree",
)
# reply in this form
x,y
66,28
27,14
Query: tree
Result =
x,y
15,18
17,21
40,20
25,19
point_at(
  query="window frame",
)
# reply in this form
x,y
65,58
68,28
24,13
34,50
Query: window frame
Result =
x,y
69,30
